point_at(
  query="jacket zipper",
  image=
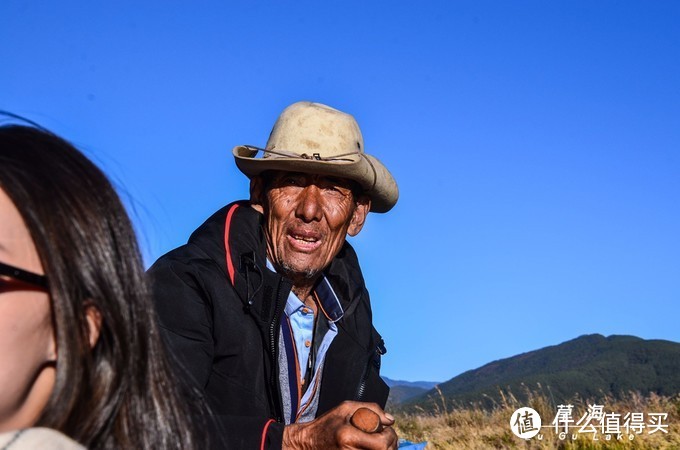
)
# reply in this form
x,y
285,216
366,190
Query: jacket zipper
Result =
x,y
373,358
273,350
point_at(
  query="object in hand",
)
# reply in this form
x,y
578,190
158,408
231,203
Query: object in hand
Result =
x,y
365,420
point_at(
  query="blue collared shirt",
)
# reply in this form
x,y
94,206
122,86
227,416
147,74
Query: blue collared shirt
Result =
x,y
298,342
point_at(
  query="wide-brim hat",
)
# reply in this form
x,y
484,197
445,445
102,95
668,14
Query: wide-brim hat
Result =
x,y
314,138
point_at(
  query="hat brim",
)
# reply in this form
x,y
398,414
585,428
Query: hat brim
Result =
x,y
368,171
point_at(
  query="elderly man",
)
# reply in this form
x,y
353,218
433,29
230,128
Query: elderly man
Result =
x,y
266,306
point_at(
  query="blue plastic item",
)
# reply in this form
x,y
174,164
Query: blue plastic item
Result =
x,y
406,445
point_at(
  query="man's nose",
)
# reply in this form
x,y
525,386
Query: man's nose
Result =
x,y
309,204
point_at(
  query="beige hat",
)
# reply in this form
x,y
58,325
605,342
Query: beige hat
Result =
x,y
314,138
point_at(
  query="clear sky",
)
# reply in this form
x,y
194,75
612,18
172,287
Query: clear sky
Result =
x,y
536,145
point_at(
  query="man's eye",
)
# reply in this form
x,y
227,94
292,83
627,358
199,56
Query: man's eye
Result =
x,y
334,190
291,181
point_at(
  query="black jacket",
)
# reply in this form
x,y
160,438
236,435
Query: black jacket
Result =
x,y
220,309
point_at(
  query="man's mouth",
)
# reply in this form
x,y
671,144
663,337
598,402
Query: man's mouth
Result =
x,y
304,241
305,238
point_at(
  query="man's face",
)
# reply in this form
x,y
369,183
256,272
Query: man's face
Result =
x,y
307,219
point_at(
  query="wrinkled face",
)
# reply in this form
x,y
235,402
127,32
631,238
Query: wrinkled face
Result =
x,y
307,219
27,348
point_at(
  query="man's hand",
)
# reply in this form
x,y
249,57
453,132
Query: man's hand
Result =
x,y
333,430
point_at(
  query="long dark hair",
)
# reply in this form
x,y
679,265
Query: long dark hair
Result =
x,y
121,393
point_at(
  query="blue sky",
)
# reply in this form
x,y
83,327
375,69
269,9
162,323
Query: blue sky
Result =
x,y
536,145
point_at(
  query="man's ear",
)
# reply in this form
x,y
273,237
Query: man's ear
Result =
x,y
363,206
94,323
257,193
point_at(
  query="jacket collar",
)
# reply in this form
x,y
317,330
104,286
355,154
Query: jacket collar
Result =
x,y
234,239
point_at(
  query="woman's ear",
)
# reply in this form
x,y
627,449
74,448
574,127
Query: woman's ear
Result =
x,y
52,348
94,323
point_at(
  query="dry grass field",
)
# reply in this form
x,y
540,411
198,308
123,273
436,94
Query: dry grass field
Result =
x,y
471,427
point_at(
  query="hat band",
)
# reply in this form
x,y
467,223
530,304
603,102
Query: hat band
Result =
x,y
318,157
314,156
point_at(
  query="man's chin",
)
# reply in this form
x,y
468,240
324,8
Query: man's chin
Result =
x,y
298,271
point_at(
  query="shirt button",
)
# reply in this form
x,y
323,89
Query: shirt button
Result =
x,y
306,310
308,343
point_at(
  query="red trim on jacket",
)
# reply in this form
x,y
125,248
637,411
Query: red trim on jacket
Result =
x,y
298,369
264,432
227,225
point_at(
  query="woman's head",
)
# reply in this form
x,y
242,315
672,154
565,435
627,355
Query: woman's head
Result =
x,y
27,345
109,365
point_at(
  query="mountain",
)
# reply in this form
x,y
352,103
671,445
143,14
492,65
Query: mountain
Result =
x,y
401,390
589,366
417,384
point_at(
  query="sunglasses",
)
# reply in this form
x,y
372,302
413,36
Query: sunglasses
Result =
x,y
15,279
